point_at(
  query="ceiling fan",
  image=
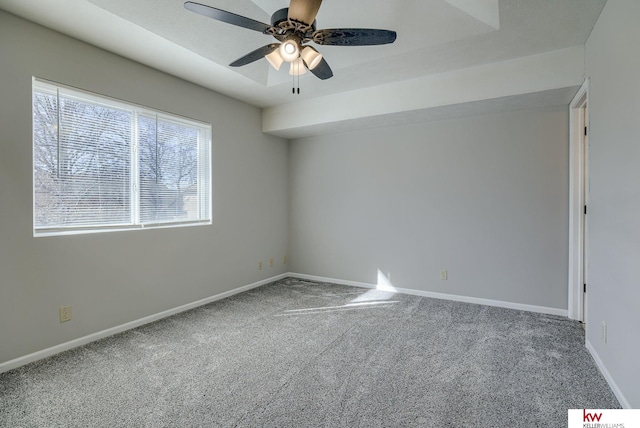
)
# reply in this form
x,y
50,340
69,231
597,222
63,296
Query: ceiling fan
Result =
x,y
294,27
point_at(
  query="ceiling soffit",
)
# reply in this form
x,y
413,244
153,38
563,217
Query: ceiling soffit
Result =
x,y
435,38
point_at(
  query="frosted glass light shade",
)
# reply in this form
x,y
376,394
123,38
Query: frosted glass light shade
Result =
x,y
275,59
289,50
311,57
297,68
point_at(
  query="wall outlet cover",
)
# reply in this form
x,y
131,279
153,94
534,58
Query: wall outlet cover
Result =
x,y
65,313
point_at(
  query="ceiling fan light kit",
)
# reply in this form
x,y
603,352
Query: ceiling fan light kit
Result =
x,y
293,27
289,50
311,57
275,59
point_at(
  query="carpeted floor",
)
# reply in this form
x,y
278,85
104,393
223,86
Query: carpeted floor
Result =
x,y
298,353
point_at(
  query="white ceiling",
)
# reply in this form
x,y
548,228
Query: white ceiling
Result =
x,y
435,37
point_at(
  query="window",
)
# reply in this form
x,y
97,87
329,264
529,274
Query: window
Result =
x,y
101,164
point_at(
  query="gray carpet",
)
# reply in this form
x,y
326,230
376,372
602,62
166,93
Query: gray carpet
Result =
x,y
297,353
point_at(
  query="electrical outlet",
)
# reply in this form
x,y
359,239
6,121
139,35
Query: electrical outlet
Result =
x,y
284,259
271,262
604,332
259,265
65,313
443,275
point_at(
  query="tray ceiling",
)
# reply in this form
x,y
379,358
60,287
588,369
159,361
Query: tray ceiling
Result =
x,y
434,37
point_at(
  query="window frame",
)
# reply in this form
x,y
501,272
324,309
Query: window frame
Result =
x,y
204,162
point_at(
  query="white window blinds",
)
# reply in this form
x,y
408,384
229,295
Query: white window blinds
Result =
x,y
101,164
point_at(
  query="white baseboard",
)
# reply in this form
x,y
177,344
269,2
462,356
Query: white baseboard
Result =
x,y
455,297
331,280
612,384
21,361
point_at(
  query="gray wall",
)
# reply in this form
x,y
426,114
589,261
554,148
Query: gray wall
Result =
x,y
613,66
484,197
113,278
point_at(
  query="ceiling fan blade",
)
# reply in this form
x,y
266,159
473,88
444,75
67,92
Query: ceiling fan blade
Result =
x,y
228,17
354,37
255,55
304,10
322,70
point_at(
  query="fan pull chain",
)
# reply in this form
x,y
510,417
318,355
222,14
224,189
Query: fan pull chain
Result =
x,y
295,72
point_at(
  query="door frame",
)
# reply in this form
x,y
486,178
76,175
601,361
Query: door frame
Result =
x,y
578,162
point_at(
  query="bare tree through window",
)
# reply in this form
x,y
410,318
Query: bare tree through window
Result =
x,y
100,164
168,170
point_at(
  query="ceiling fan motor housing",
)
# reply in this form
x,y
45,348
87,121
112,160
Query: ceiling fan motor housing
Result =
x,y
283,28
282,15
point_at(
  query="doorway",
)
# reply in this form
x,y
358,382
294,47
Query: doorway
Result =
x,y
578,204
